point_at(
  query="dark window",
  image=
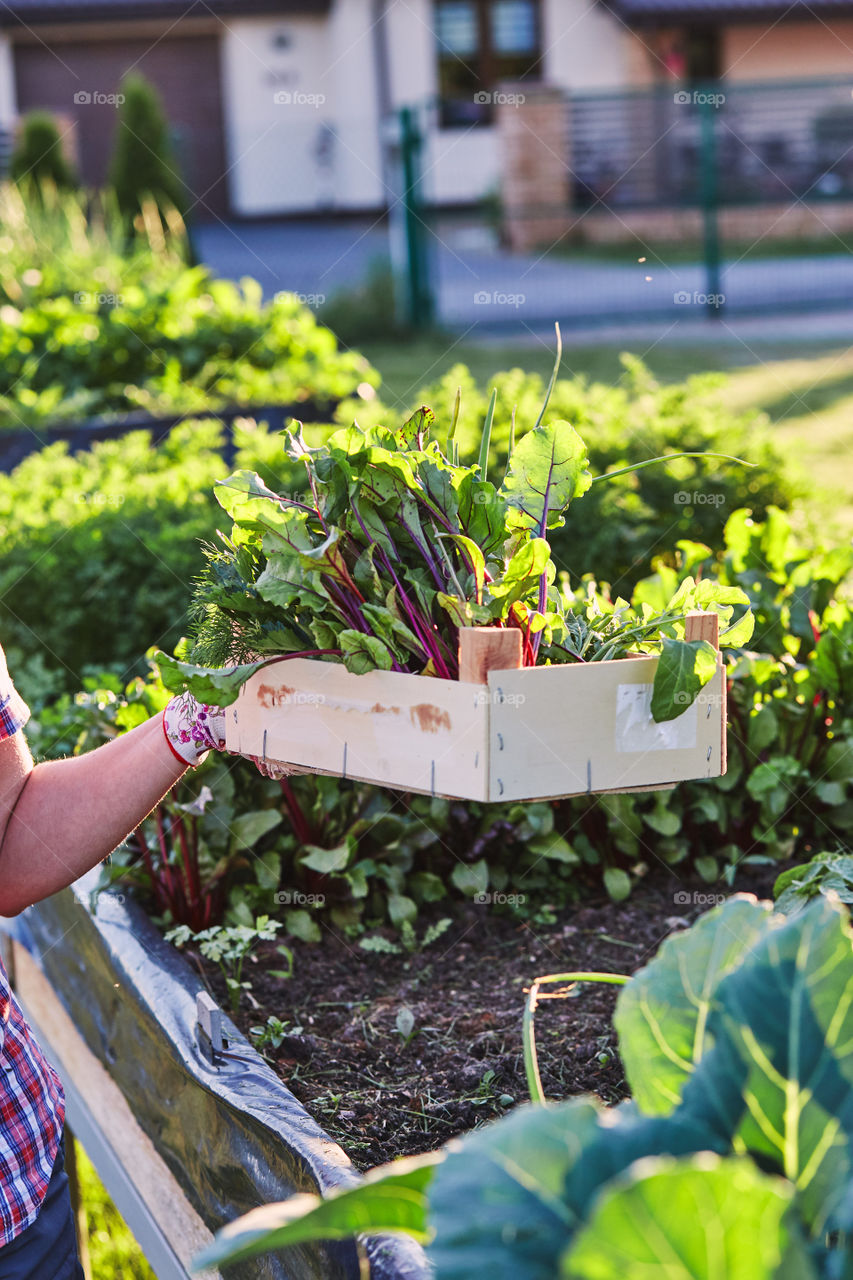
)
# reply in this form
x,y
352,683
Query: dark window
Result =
x,y
481,43
702,46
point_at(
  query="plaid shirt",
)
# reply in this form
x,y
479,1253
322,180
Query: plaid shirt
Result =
x,y
32,1105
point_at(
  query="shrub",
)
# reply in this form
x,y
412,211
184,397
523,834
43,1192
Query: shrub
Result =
x,y
365,312
38,157
144,165
789,786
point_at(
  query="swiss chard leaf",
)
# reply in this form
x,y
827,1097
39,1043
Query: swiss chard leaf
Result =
x,y
523,572
416,428
481,513
548,469
363,653
216,686
463,613
326,861
684,668
328,558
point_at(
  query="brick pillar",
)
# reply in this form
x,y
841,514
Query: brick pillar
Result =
x,y
533,133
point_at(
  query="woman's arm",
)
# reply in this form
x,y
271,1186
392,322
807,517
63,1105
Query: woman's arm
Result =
x,y
63,816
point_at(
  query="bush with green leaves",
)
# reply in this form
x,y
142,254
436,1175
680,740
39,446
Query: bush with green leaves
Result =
x,y
144,165
366,312
37,159
100,549
637,516
93,324
734,1158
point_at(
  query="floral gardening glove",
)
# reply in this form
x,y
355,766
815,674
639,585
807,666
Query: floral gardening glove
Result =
x,y
193,728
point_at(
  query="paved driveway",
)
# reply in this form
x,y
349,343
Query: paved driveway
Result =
x,y
482,287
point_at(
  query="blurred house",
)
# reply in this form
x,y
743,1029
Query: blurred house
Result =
x,y
281,106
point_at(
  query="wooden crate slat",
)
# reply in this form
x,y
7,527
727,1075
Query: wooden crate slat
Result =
x,y
575,729
405,731
484,649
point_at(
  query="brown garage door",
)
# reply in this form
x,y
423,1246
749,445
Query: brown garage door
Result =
x,y
185,70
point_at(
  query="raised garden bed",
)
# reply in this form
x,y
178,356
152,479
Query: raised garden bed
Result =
x,y
15,445
384,1088
192,1137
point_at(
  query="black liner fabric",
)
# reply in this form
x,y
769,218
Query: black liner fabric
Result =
x,y
232,1133
16,445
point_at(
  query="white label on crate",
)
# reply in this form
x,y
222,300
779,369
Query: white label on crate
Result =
x,y
637,731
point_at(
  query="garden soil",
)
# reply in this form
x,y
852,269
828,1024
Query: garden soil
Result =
x,y
394,1054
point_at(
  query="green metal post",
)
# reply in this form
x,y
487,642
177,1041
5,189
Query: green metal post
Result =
x,y
710,204
419,300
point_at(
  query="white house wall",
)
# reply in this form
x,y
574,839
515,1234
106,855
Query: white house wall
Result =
x,y
8,106
584,47
301,122
458,164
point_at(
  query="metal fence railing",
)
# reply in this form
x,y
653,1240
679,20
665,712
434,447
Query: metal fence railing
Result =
x,y
763,143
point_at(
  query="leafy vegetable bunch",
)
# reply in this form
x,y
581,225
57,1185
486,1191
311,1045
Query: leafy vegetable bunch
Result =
x,y
734,1157
395,545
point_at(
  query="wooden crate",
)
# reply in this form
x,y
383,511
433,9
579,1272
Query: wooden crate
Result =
x,y
501,732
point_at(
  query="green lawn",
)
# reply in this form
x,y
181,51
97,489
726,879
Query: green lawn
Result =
x,y
805,389
113,1252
